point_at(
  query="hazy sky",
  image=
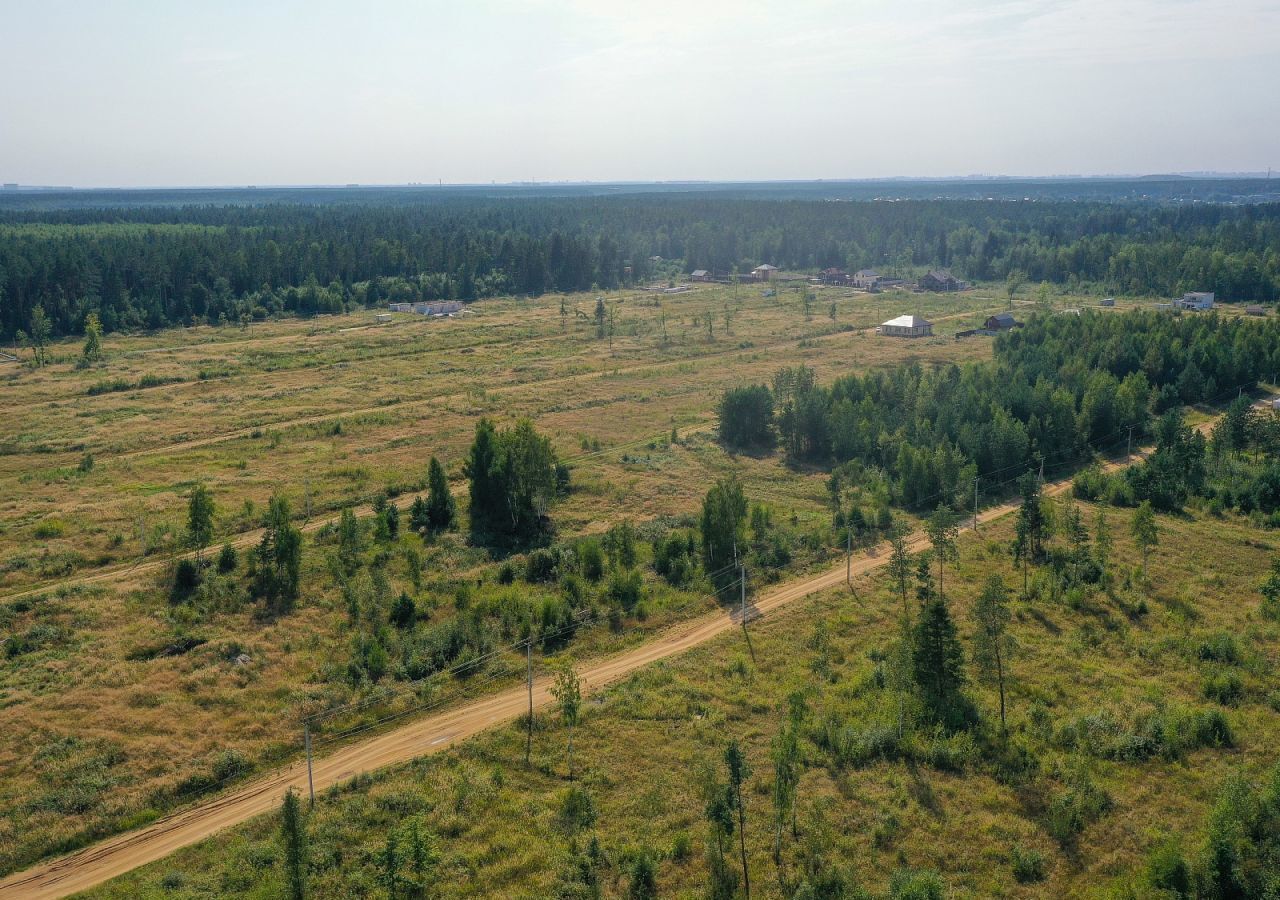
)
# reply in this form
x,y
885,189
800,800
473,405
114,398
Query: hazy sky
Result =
x,y
390,91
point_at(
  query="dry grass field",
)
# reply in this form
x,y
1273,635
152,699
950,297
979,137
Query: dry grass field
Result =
x,y
1134,649
104,717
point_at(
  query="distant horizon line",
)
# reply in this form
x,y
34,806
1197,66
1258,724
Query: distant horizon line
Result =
x,y
18,187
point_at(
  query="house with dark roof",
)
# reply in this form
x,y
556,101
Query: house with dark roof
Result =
x,y
1001,322
941,280
833,275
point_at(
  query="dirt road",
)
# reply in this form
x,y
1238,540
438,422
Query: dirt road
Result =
x,y
122,853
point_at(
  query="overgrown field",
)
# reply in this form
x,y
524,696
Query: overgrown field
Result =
x,y
1134,701
117,703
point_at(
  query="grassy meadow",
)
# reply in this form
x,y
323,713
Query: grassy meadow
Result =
x,y
117,704
1088,668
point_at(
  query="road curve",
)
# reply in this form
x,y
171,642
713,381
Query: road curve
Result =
x,y
120,854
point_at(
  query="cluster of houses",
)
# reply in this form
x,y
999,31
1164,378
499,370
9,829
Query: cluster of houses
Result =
x,y
915,326
765,272
428,307
935,280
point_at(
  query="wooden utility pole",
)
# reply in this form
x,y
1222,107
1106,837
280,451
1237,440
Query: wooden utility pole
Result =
x,y
1128,449
848,557
528,741
306,739
975,503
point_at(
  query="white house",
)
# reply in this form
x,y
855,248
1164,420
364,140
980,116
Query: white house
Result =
x,y
1197,300
906,326
866,279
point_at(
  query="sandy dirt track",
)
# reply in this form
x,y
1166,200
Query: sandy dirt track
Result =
x,y
122,853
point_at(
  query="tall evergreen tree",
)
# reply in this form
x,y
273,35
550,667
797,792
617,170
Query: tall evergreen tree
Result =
x,y
441,511
200,510
938,664
294,838
991,638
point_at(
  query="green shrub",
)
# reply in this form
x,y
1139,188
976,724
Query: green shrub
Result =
x,y
186,577
541,566
227,559
908,884
577,810
230,764
1167,870
50,528
626,589
591,558
1081,804
1028,866
1219,647
1223,687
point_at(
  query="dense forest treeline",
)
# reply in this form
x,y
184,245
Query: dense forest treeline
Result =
x,y
152,266
1058,389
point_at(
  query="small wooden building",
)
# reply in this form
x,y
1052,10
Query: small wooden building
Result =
x,y
764,272
1001,322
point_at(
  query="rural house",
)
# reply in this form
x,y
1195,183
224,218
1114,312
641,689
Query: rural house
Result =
x,y
940,280
1255,310
763,272
1196,300
833,275
700,275
866,279
906,326
1001,322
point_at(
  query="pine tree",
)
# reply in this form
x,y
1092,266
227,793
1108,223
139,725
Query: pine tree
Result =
x,y
900,567
350,541
487,501
92,351
200,510
293,835
389,863
991,640
441,512
278,560
736,762
1146,533
943,531
1102,539
1030,515
937,663
419,518
567,690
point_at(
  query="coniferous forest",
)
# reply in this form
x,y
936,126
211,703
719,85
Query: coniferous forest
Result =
x,y
143,261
